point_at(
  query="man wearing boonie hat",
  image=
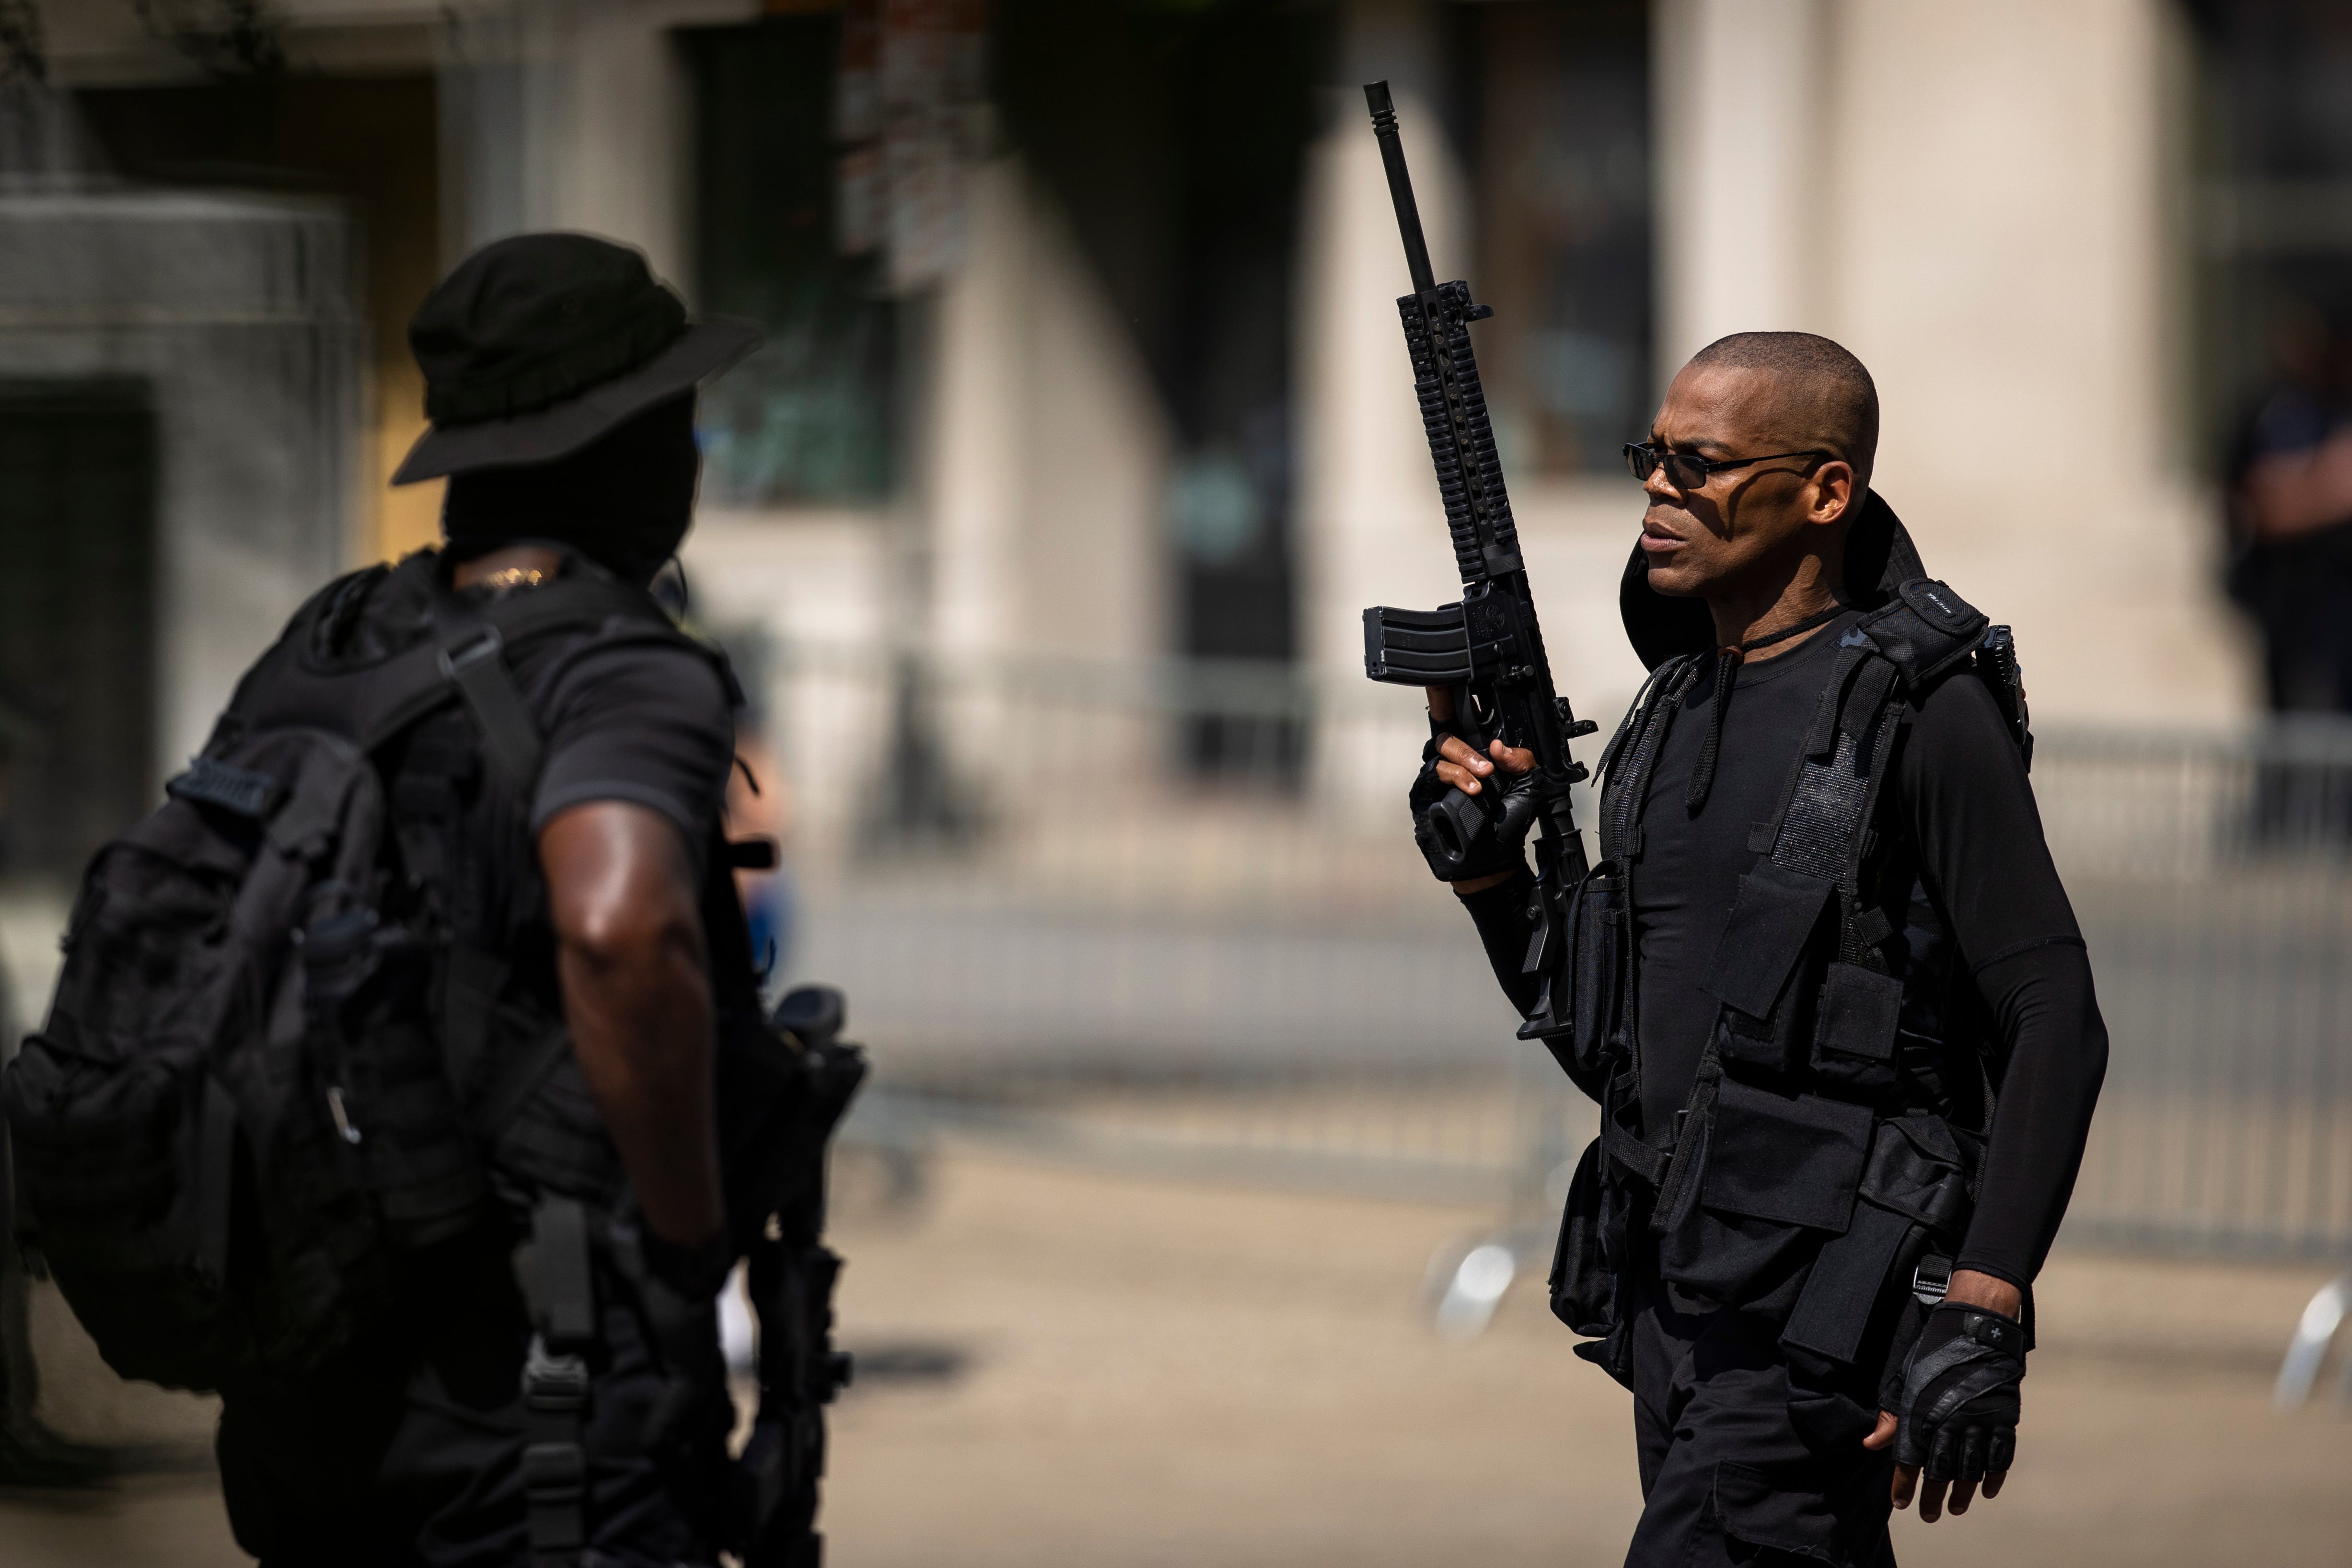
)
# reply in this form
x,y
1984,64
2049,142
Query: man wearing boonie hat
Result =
x,y
572,1408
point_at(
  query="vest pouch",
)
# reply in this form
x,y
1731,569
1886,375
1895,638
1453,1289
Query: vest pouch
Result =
x,y
1583,1285
1920,1168
1602,963
1913,1195
1782,1173
1761,1044
1764,943
1854,1029
1795,1159
419,1155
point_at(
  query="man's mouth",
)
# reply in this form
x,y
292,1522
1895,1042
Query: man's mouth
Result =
x,y
1656,541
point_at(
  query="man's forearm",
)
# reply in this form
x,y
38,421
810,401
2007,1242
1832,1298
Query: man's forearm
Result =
x,y
641,1024
1499,909
2043,1002
636,998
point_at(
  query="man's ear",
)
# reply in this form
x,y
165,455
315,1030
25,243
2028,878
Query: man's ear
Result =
x,y
1837,498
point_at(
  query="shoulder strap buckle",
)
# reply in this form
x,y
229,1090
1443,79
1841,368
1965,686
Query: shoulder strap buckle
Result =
x,y
461,653
472,660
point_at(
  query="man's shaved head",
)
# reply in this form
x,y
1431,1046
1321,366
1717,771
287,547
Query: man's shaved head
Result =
x,y
1823,397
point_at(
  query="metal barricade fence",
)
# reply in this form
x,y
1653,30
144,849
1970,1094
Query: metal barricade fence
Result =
x,y
1128,913
2214,878
1170,918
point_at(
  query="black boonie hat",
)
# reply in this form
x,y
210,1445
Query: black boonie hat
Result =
x,y
1879,558
536,345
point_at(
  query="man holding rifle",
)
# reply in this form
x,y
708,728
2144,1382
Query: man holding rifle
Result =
x,y
1824,982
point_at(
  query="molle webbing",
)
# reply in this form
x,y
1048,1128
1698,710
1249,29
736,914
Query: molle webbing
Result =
x,y
1815,854
1625,765
1823,830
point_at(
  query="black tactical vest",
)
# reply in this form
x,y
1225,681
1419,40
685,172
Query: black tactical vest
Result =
x,y
1832,1135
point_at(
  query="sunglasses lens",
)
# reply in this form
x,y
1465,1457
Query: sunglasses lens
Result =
x,y
1684,472
1642,460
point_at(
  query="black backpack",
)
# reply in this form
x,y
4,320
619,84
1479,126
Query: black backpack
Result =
x,y
241,1121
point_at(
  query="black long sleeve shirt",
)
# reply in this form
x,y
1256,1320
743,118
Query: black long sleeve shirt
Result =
x,y
1960,792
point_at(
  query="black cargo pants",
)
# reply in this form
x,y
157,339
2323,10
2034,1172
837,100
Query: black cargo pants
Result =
x,y
409,1452
1729,1475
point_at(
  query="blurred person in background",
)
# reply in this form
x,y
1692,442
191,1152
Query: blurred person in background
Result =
x,y
759,809
1829,992
2290,508
30,1453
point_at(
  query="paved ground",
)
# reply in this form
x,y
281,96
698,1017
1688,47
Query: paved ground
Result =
x,y
1069,1369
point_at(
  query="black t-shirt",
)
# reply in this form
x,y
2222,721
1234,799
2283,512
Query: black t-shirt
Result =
x,y
632,721
1960,790
1691,865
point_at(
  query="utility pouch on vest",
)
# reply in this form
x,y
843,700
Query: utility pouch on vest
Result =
x,y
1854,1028
1772,1172
1584,1284
1919,1167
1796,1159
1602,961
1764,941
1588,1264
1914,1193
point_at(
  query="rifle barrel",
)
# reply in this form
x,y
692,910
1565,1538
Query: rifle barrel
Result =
x,y
1385,126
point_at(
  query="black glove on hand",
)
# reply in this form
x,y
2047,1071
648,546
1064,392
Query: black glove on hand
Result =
x,y
1466,836
677,1293
1957,1418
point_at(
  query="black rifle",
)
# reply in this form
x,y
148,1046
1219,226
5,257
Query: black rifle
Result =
x,y
1489,646
776,1198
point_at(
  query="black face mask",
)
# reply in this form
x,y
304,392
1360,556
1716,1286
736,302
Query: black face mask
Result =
x,y
624,501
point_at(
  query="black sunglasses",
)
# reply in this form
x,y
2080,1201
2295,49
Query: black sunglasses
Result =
x,y
1688,470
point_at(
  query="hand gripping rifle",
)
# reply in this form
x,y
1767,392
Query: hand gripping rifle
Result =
x,y
1488,646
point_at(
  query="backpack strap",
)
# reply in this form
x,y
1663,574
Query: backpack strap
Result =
x,y
561,1288
473,662
466,651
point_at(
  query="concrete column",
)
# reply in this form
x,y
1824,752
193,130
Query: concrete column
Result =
x,y
1048,450
1743,90
572,114
2003,251
1370,526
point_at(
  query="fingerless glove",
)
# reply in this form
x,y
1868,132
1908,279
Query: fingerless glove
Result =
x,y
1958,1415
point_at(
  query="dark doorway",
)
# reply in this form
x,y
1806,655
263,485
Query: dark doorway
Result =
x,y
1175,137
78,464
